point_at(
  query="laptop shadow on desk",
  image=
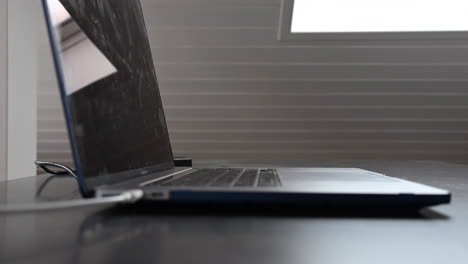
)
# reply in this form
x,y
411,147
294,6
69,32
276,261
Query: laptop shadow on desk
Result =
x,y
277,211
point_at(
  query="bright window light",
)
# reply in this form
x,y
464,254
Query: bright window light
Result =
x,y
60,14
321,16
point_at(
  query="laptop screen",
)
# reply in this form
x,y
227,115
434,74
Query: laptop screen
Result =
x,y
109,89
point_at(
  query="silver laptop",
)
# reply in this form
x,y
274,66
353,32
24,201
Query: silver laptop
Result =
x,y
118,134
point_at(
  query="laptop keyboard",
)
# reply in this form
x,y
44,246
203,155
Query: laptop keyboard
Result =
x,y
225,177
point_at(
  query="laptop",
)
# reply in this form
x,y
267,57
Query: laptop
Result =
x,y
119,138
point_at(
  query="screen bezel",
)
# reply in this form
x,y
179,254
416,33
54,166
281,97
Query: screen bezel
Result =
x,y
88,185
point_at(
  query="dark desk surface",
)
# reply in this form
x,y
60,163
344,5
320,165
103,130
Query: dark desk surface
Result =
x,y
119,235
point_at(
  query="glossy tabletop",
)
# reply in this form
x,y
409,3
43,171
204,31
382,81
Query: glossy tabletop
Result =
x,y
142,234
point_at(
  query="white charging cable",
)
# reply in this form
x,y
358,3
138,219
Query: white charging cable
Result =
x,y
126,197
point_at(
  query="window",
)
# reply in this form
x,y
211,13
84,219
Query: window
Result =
x,y
374,19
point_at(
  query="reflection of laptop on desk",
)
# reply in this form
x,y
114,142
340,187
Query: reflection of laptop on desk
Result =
x,y
119,137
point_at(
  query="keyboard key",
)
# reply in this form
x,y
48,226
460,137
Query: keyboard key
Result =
x,y
247,179
200,177
268,178
227,179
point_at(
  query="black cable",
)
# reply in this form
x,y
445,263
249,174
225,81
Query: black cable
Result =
x,y
48,165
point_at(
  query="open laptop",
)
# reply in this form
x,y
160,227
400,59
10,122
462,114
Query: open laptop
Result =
x,y
120,141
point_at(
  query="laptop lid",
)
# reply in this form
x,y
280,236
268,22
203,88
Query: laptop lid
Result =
x,y
109,90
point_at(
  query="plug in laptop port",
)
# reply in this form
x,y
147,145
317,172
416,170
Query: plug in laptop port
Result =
x,y
158,195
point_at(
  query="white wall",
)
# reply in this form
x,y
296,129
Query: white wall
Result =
x,y
233,91
19,98
3,89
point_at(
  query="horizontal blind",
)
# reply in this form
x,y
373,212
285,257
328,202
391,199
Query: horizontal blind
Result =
x,y
231,90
